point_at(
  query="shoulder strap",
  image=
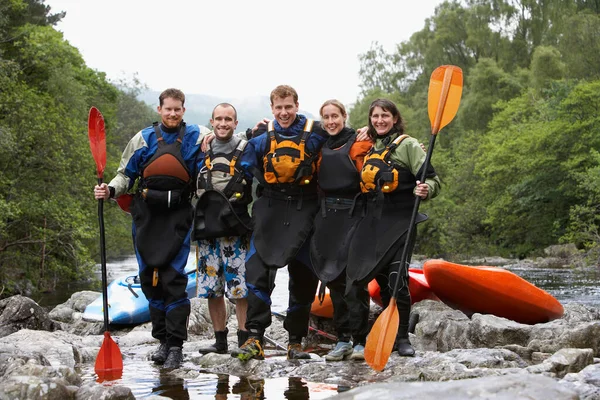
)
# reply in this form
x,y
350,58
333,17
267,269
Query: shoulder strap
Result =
x,y
157,132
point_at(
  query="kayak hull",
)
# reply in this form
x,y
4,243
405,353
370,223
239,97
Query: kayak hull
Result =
x,y
127,305
491,290
417,284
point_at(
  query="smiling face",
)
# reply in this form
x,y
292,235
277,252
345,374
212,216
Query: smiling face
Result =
x,y
284,110
171,112
382,121
224,121
333,119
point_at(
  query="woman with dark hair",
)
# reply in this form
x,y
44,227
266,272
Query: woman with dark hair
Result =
x,y
389,183
340,161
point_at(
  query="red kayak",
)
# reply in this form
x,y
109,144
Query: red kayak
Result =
x,y
417,284
491,290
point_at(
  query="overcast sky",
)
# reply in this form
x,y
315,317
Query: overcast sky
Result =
x,y
238,48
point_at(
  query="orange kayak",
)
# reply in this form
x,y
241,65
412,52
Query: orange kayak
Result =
x,y
491,290
417,284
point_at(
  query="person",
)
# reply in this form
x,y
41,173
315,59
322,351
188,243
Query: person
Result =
x,y
283,160
162,160
222,227
339,183
389,181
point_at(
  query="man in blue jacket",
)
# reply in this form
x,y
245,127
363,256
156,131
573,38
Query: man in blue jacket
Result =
x,y
162,159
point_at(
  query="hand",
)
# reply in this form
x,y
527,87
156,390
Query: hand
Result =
x,y
206,141
101,192
361,134
422,190
423,147
265,121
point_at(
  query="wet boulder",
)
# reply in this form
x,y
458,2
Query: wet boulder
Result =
x,y
19,312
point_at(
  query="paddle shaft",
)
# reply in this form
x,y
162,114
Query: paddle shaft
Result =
x,y
412,226
103,259
310,328
435,127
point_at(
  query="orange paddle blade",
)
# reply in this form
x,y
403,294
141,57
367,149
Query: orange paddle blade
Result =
x,y
97,136
382,337
445,90
109,362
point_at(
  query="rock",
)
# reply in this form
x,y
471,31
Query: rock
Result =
x,y
19,312
513,387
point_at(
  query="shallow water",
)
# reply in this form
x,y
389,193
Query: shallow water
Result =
x,y
146,380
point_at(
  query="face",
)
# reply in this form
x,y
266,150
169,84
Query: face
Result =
x,y
224,122
382,121
332,119
171,112
284,110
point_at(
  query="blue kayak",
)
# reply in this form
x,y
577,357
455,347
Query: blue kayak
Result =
x,y
127,304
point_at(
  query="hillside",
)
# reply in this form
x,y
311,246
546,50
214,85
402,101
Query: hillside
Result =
x,y
199,107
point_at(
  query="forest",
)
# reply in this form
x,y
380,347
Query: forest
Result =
x,y
520,163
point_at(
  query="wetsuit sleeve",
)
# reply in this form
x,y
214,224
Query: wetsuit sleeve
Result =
x,y
358,151
411,156
129,166
204,131
252,156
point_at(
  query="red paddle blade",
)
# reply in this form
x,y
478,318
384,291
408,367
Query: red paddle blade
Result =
x,y
445,91
109,362
382,337
97,138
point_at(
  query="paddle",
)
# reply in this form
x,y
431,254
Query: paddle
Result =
x,y
445,89
109,362
310,328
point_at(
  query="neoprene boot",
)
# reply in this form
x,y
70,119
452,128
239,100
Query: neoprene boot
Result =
x,y
403,345
242,337
220,345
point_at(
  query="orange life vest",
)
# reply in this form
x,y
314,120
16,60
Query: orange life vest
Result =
x,y
379,173
287,160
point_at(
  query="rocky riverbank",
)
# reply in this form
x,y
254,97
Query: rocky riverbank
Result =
x,y
42,356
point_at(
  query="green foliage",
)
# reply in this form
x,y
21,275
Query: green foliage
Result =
x,y
519,164
48,218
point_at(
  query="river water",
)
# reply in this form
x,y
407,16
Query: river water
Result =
x,y
146,380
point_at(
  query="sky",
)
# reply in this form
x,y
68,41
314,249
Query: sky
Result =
x,y
239,48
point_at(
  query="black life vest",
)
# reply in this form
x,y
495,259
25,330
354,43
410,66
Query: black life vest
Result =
x,y
287,160
221,172
166,180
380,174
337,172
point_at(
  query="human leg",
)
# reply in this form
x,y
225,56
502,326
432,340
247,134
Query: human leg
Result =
x,y
260,281
341,320
302,286
211,284
234,262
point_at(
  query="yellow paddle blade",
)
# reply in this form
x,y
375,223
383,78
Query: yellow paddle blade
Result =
x,y
382,337
445,90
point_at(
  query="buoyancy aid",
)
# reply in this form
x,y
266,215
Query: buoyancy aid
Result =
x,y
165,178
221,172
287,160
380,174
223,196
337,172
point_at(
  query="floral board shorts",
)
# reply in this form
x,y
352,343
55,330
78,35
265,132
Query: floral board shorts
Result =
x,y
222,267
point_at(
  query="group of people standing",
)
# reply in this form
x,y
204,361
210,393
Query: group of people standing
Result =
x,y
332,204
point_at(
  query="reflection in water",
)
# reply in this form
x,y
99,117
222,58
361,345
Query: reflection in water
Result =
x,y
225,387
171,386
297,389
